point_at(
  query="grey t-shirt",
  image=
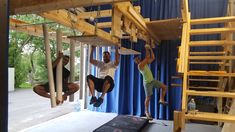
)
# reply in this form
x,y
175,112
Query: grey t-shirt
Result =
x,y
106,69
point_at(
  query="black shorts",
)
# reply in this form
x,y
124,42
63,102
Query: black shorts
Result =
x,y
46,87
99,82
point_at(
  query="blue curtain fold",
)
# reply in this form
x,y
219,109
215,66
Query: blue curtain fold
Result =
x,y
128,95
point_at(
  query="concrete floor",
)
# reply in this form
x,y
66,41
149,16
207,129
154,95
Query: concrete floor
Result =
x,y
27,109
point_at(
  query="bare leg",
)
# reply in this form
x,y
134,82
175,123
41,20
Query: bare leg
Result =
x,y
106,87
72,89
164,88
40,90
91,86
147,100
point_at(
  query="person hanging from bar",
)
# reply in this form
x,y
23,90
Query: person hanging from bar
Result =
x,y
105,82
68,88
149,81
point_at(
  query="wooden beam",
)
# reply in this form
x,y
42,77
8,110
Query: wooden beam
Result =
x,y
116,23
61,16
102,13
207,63
211,93
211,57
204,80
177,120
207,53
211,31
37,6
204,116
35,30
203,87
104,25
211,43
210,73
213,20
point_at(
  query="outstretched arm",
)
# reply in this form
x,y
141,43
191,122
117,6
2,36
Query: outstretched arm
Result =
x,y
55,63
92,61
146,59
117,57
152,57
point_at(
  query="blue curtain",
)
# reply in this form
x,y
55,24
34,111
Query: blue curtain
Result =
x,y
128,95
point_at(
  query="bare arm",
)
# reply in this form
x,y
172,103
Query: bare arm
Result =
x,y
117,57
92,61
152,57
146,59
55,63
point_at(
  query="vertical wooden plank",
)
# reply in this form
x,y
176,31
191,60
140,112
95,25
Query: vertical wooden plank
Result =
x,y
4,28
59,66
72,65
116,23
177,120
49,65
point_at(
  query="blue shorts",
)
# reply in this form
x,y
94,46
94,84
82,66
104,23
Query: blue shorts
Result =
x,y
148,87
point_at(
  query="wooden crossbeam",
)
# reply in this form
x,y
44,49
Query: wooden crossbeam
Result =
x,y
203,87
204,116
35,30
204,80
207,63
210,73
211,43
36,6
61,16
127,9
207,53
213,20
211,31
211,93
102,13
211,57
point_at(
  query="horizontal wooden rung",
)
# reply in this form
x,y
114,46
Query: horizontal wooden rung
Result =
x,y
206,53
211,43
204,80
204,116
212,20
204,63
211,57
203,87
210,93
210,73
211,31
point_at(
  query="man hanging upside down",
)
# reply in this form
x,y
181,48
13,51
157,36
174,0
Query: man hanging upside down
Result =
x,y
105,81
149,81
68,88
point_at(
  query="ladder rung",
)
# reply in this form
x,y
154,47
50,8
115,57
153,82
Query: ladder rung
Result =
x,y
212,63
212,20
211,31
211,57
204,80
211,43
203,87
210,93
204,116
207,53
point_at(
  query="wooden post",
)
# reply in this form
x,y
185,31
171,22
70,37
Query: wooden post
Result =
x,y
4,28
82,77
72,66
177,121
59,66
49,65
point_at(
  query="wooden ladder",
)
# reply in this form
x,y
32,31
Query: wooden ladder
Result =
x,y
222,59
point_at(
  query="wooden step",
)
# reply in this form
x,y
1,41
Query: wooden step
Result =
x,y
211,57
206,63
203,87
212,20
211,43
204,80
205,116
210,73
210,93
207,53
211,31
